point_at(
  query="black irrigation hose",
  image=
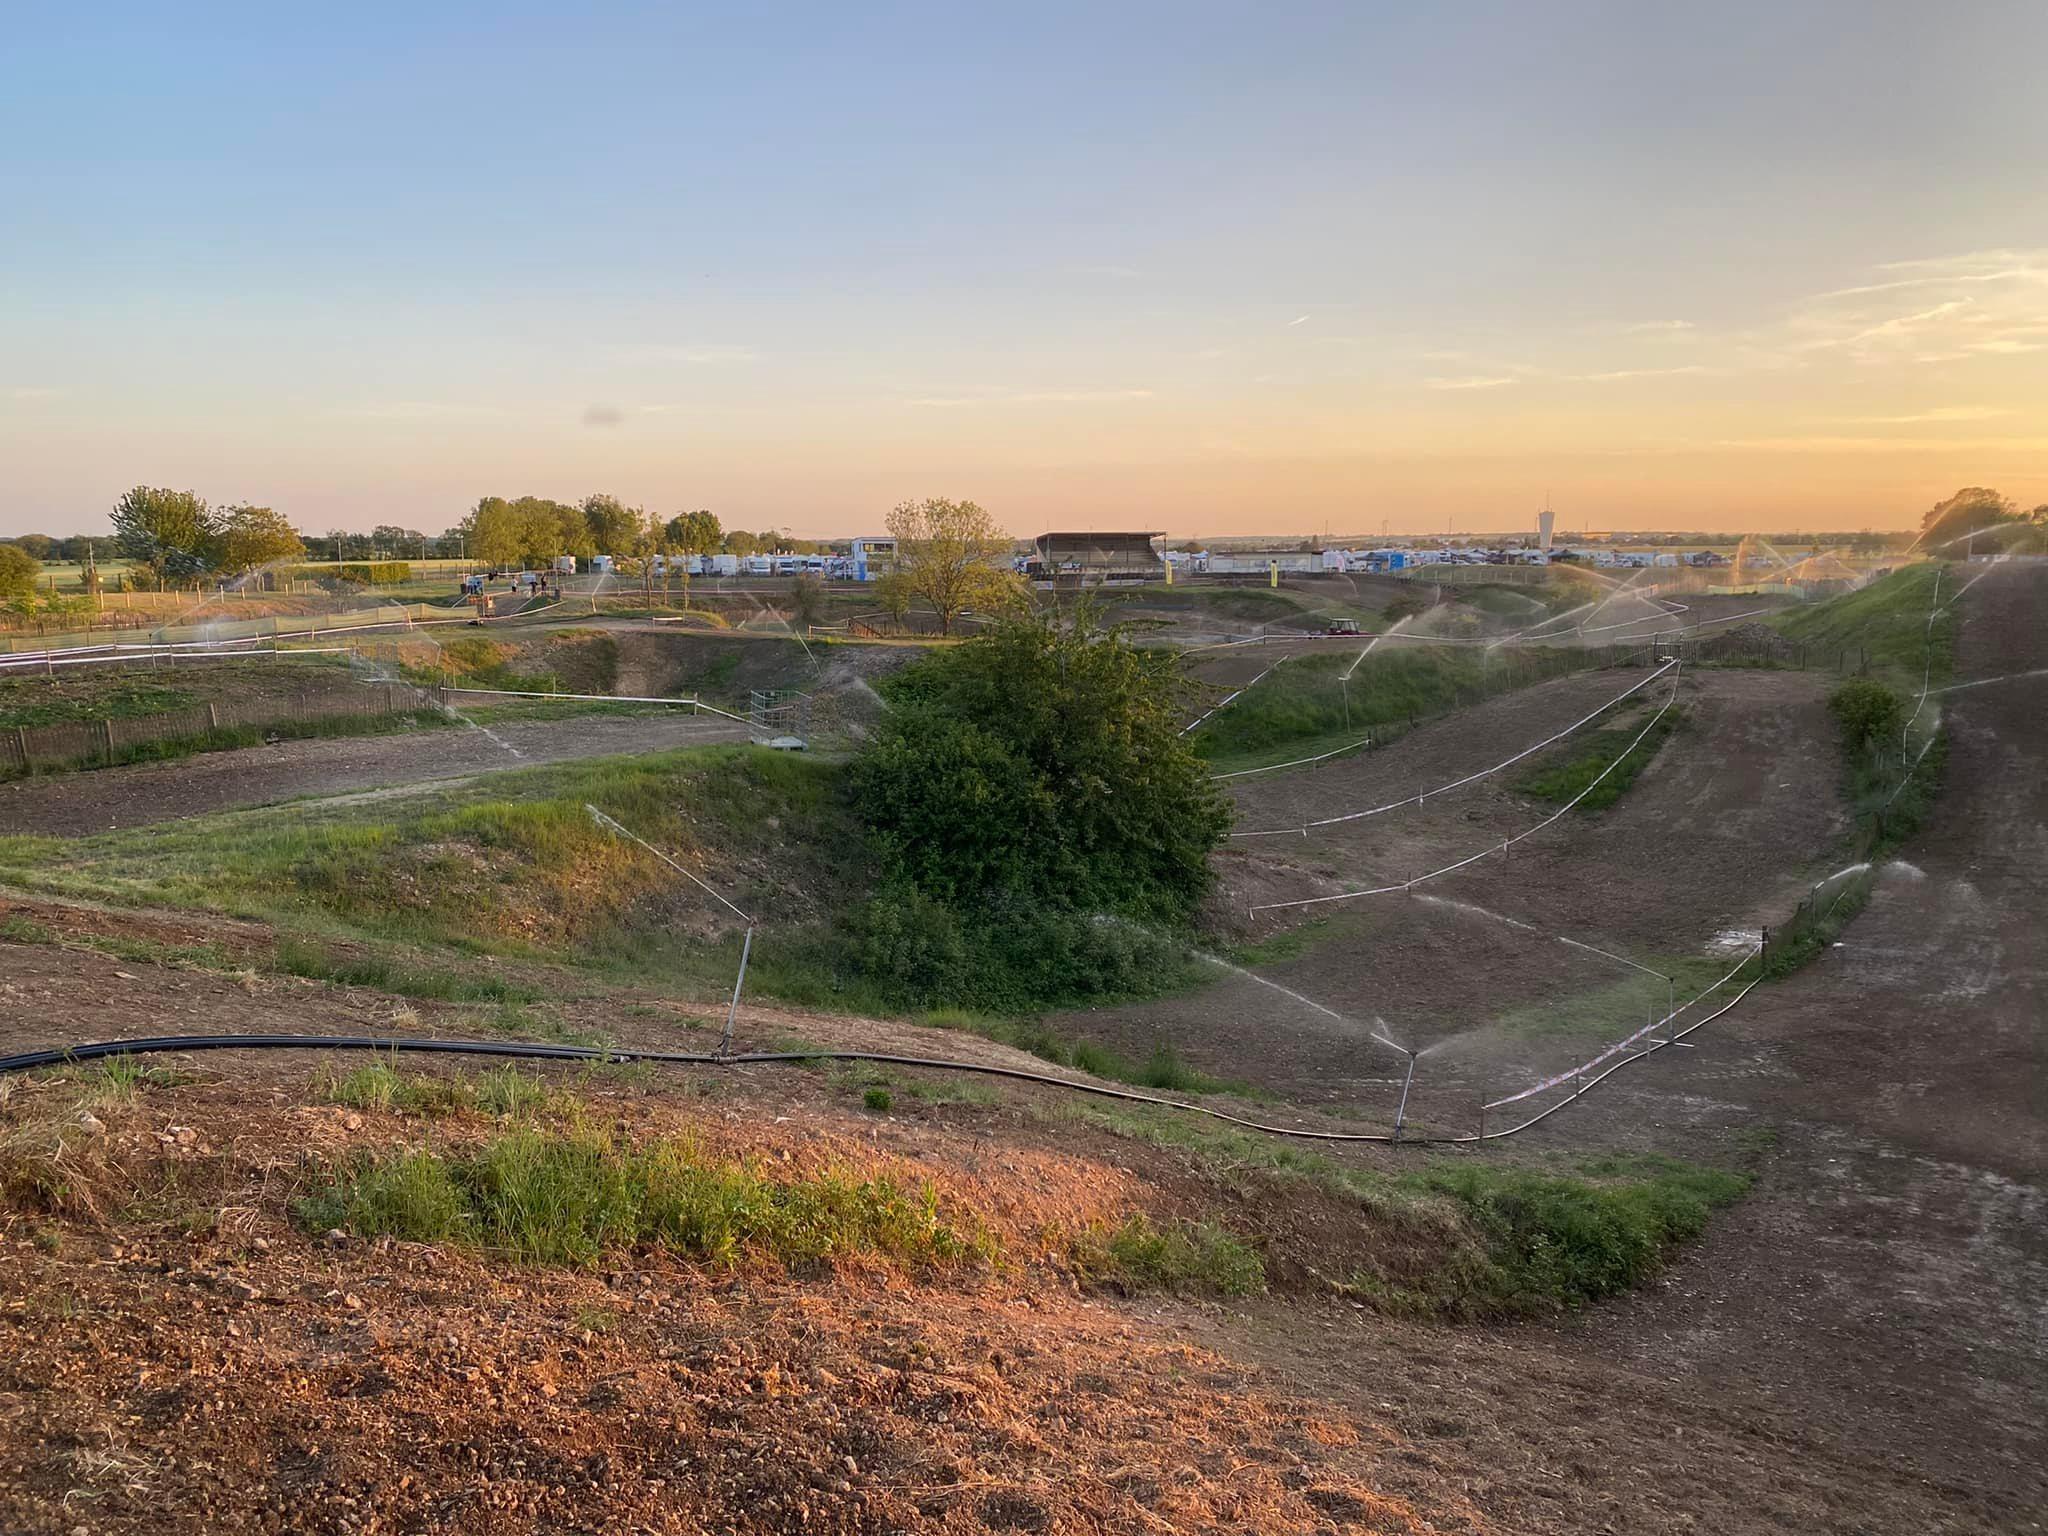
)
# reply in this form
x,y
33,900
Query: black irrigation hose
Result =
x,y
64,1055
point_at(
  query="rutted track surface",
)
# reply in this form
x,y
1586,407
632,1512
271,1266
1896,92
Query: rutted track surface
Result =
x,y
79,804
1719,832
1889,1277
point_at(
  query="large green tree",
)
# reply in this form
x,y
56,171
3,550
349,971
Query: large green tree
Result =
x,y
171,534
953,555
695,533
614,527
18,572
1970,511
255,536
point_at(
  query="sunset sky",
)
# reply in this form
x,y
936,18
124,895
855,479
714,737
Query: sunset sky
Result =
x,y
1207,268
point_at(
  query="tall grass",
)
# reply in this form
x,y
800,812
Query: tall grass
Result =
x,y
551,1198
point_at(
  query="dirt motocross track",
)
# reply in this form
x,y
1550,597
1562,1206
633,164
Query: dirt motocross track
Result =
x,y
80,804
1859,1346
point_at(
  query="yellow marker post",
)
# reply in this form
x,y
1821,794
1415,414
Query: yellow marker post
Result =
x,y
1272,573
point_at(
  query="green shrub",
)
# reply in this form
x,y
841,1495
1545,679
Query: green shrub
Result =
x,y
1560,1241
1185,1256
876,1100
1041,765
1869,714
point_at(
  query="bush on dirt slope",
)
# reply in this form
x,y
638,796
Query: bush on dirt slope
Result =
x,y
1033,813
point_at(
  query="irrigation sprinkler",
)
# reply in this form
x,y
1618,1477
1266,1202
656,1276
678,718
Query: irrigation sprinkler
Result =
x,y
732,1013
1401,1110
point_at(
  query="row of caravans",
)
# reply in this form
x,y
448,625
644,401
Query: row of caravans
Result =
x,y
867,559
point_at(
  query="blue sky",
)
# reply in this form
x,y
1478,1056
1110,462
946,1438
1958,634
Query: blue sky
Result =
x,y
1207,267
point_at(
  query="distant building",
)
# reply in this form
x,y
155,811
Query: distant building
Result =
x,y
1546,524
1090,559
873,558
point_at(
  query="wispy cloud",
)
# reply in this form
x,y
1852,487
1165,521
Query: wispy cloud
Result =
x,y
1946,309
1939,413
602,416
1031,397
1869,444
34,392
1297,320
1658,327
1475,381
1616,375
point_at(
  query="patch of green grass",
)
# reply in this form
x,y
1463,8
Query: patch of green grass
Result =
x,y
1287,944
547,1198
381,1086
1307,702
1184,1257
959,1090
1620,1001
46,701
1816,923
1559,1241
119,1078
300,957
876,1101
229,738
16,929
505,1090
1466,1238
1883,625
1558,776
1163,1069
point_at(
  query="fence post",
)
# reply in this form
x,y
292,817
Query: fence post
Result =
x,y
107,737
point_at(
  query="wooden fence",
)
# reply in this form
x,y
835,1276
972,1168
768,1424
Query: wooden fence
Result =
x,y
71,743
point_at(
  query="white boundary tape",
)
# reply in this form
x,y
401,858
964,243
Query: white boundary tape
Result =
x,y
611,698
1470,778
1621,1045
1232,699
1363,741
1490,850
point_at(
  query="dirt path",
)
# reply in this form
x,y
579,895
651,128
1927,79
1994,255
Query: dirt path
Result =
x,y
79,804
